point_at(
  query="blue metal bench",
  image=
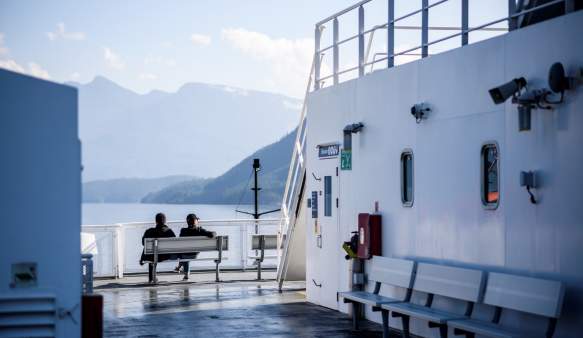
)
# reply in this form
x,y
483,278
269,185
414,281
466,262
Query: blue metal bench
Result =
x,y
530,295
390,271
445,281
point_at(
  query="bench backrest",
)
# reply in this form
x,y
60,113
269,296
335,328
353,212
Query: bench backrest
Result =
x,y
393,271
459,283
270,242
532,295
177,245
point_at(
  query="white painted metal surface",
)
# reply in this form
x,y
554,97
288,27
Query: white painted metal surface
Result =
x,y
40,178
448,223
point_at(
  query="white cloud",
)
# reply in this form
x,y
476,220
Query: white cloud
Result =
x,y
75,76
12,65
112,59
158,60
3,49
200,39
147,76
34,69
288,60
62,33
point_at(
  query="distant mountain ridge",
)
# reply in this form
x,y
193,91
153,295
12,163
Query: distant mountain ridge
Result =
x,y
233,186
129,190
200,130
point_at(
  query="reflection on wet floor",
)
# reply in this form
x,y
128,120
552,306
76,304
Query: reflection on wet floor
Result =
x,y
231,309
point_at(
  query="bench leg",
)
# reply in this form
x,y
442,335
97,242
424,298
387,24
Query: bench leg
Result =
x,y
386,327
355,314
154,274
443,331
405,321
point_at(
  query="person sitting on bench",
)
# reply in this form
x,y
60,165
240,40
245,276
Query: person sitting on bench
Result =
x,y
161,230
193,229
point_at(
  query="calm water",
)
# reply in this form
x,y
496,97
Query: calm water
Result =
x,y
110,213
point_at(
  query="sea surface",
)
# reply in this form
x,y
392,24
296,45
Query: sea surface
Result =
x,y
111,213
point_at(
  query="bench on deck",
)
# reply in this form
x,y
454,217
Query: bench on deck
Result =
x,y
530,295
262,243
185,246
462,284
389,271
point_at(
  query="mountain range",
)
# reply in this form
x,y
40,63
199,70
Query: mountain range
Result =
x,y
201,130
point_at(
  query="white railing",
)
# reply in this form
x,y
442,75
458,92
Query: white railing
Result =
x,y
117,248
515,11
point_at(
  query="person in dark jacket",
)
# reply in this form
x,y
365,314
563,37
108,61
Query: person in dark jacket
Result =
x,y
161,230
193,229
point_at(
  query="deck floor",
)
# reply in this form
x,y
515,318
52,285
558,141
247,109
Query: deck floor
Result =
x,y
236,307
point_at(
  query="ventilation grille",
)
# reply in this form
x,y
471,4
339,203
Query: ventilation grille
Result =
x,y
27,315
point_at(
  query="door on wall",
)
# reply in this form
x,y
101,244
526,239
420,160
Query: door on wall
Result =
x,y
330,242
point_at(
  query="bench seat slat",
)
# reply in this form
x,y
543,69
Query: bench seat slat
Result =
x,y
449,281
484,328
422,312
368,298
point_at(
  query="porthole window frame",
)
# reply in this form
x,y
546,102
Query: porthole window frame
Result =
x,y
404,153
483,176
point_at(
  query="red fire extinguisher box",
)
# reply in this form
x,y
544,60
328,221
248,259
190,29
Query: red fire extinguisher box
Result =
x,y
369,235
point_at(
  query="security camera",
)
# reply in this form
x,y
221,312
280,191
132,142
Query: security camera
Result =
x,y
502,93
419,110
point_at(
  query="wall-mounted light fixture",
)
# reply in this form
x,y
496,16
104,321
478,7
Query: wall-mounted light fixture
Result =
x,y
528,180
420,111
348,131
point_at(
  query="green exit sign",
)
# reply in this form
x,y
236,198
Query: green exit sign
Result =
x,y
346,160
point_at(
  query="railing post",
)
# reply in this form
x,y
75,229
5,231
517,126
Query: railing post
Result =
x,y
360,41
465,23
317,36
391,34
244,248
335,50
424,28
512,21
120,250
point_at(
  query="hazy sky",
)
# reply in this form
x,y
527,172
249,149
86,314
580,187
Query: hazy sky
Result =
x,y
145,45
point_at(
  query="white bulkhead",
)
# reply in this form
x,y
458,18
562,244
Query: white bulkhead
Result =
x,y
447,222
40,176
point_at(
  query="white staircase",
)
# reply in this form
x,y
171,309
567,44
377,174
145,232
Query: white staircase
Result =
x,y
291,251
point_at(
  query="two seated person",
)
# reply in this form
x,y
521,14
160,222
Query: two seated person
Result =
x,y
161,230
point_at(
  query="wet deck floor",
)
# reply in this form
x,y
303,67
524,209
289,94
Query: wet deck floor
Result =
x,y
238,307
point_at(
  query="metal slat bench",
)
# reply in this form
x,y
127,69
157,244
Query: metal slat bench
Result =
x,y
530,295
186,245
446,281
389,271
262,243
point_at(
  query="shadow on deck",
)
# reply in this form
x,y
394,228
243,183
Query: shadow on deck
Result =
x,y
235,308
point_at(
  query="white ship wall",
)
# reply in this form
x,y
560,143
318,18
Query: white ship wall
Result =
x,y
448,223
40,180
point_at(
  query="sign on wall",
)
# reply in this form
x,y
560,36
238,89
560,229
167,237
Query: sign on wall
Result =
x,y
314,204
328,150
346,160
